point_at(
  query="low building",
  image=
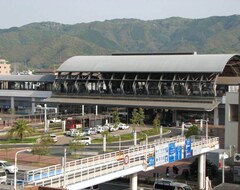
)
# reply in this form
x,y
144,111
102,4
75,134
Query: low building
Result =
x,y
5,68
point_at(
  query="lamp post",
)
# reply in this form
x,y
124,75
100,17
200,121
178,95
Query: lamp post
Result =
x,y
119,146
15,171
201,125
146,138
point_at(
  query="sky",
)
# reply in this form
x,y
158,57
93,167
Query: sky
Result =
x,y
16,13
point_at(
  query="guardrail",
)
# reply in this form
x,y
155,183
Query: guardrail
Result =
x,y
92,167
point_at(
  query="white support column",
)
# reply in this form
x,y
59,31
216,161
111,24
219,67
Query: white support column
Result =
x,y
182,133
133,181
216,116
82,109
33,105
96,110
201,171
12,102
174,115
161,132
104,143
45,118
135,137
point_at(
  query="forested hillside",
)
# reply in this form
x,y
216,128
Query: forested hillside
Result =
x,y
47,44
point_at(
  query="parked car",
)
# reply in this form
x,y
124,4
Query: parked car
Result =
x,y
107,126
188,125
74,132
84,140
99,128
53,137
166,124
113,127
3,177
55,120
123,126
9,168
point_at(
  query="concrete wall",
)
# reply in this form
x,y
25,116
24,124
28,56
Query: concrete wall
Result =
x,y
231,127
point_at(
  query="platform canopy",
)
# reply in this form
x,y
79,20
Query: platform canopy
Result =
x,y
210,63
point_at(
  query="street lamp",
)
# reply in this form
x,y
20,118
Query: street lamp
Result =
x,y
119,146
15,169
201,125
146,138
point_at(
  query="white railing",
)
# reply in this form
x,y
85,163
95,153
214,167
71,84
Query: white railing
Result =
x,y
87,168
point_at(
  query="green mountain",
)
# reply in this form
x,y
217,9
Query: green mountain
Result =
x,y
47,44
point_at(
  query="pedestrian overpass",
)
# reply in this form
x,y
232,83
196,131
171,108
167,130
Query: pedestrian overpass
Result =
x,y
82,173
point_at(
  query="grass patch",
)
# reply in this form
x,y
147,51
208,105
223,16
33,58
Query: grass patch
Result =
x,y
125,137
15,141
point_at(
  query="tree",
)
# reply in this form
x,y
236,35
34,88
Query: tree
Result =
x,y
20,129
156,122
116,119
75,144
192,131
137,117
41,148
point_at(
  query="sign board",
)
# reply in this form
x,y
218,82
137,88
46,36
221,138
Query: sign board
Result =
x,y
150,161
188,151
178,155
161,154
172,152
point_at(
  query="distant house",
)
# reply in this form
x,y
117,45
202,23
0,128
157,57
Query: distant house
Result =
x,y
5,68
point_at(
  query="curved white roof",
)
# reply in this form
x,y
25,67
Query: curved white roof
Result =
x,y
147,63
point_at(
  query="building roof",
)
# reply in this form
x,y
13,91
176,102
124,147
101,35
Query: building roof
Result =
x,y
28,78
213,63
25,93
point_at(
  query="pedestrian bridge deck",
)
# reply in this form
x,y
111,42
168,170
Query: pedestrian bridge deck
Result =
x,y
105,167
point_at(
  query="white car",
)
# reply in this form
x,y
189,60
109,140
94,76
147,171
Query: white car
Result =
x,y
74,132
9,168
83,140
123,126
53,137
113,128
3,177
99,129
188,125
55,120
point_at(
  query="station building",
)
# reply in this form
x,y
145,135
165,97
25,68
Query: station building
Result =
x,y
175,84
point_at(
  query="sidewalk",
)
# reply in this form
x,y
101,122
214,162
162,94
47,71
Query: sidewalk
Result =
x,y
28,161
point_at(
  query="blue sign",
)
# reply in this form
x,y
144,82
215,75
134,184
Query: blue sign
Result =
x,y
151,161
178,153
188,151
171,152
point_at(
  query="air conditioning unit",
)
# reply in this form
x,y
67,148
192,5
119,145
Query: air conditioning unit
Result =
x,y
236,157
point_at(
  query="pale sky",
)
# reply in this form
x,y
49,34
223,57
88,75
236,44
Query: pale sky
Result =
x,y
21,12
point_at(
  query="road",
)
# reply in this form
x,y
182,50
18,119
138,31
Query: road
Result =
x,y
63,142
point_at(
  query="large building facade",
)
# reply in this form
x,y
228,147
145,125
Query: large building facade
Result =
x,y
179,83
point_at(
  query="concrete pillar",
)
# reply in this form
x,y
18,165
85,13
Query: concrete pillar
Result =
x,y
96,110
33,105
12,103
201,171
161,132
64,125
174,115
133,181
216,116
135,137
82,109
104,143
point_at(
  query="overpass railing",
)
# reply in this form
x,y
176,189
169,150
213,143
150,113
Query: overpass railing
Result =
x,y
87,168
